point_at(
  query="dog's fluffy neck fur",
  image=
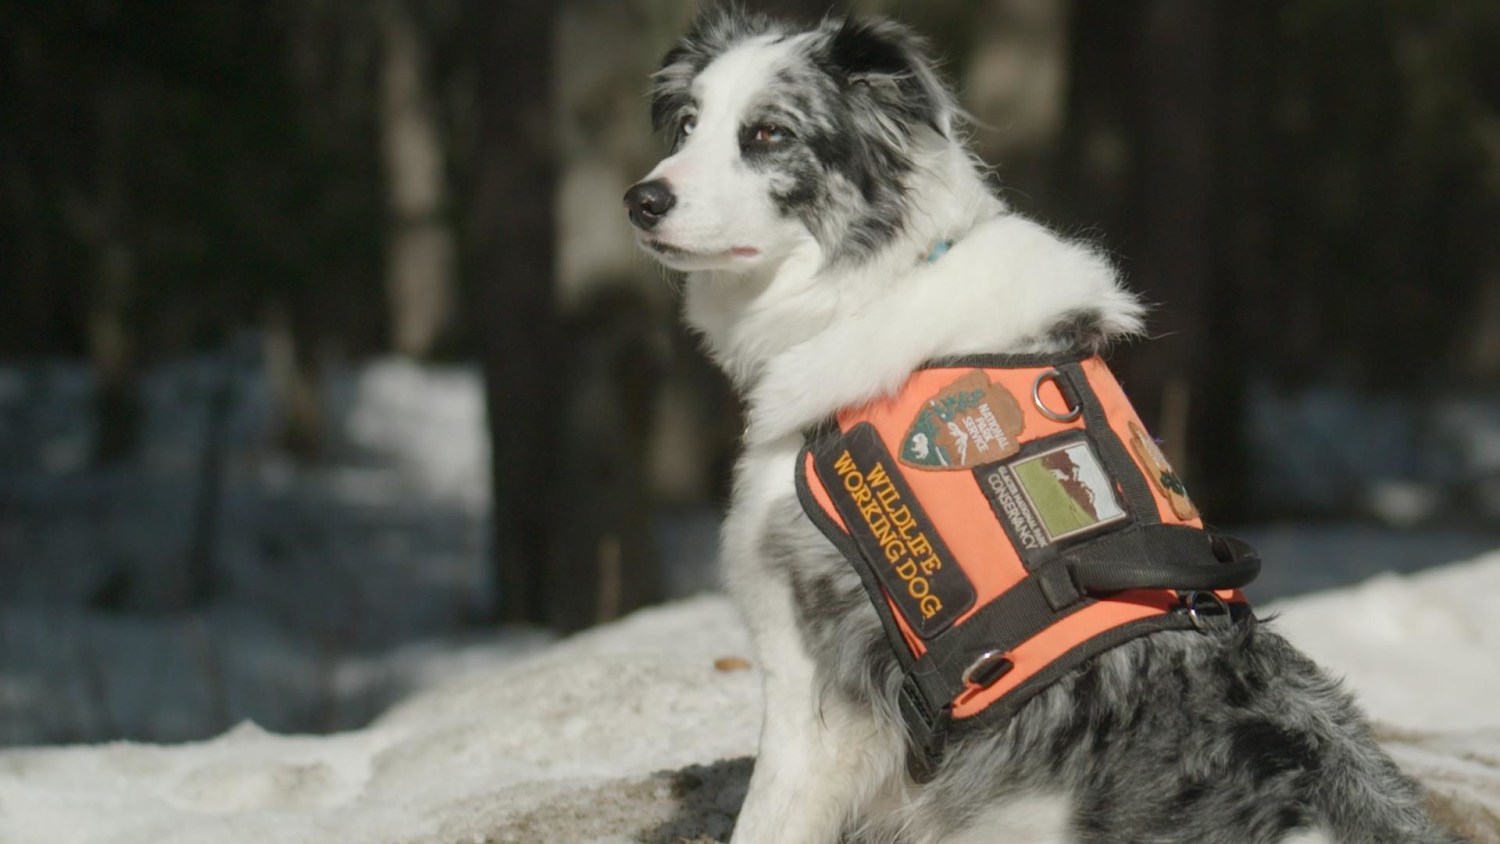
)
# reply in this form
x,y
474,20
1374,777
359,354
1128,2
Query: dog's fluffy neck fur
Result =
x,y
749,318
785,330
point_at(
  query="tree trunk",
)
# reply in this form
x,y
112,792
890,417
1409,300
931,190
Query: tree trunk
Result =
x,y
603,562
420,249
1174,198
514,312
118,414
296,383
1243,259
1015,86
117,403
1147,141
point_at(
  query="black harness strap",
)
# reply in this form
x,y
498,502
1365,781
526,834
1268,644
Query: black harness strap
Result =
x,y
1148,557
1145,557
1132,482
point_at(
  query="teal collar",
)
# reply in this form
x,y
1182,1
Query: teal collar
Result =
x,y
938,250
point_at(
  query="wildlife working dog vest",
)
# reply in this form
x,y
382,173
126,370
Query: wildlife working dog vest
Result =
x,y
1010,518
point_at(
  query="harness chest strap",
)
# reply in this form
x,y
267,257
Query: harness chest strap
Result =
x,y
1010,517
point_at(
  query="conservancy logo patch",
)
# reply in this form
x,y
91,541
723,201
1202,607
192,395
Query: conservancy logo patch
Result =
x,y
970,422
895,536
1058,492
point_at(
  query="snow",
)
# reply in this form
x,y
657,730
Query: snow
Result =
x,y
1422,650
638,731
559,747
1422,653
430,421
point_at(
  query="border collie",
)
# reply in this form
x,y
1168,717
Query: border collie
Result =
x,y
815,177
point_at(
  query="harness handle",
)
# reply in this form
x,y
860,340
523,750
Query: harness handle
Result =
x,y
1162,557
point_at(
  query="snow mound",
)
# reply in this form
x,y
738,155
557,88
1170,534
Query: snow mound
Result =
x,y
1419,650
640,731
597,739
1461,772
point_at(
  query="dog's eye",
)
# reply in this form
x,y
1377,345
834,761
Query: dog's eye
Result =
x,y
770,133
688,124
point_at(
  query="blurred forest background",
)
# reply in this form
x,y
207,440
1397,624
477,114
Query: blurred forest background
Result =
x,y
323,336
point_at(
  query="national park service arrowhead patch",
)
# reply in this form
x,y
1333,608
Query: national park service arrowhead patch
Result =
x,y
1161,473
970,422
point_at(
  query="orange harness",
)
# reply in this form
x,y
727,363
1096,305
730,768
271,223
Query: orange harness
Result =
x,y
1010,518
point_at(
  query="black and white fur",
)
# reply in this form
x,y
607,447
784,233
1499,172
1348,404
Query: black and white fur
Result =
x,y
811,172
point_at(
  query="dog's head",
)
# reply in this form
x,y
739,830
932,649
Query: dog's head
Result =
x,y
780,136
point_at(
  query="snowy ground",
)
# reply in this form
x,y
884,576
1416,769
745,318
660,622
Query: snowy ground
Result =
x,y
559,747
638,732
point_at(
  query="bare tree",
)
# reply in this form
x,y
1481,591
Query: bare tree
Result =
x,y
420,248
111,344
511,267
1173,190
1144,133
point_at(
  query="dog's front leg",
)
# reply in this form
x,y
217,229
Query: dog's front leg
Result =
x,y
821,754
818,762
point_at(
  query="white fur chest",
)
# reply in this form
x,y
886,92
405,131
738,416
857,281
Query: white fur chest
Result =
x,y
764,482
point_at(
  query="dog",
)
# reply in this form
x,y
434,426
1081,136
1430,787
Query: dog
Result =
x,y
836,234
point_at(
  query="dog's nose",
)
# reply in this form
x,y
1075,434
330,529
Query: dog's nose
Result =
x,y
649,202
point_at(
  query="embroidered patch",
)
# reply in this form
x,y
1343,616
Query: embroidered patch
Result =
x,y
970,422
1058,492
895,536
1161,473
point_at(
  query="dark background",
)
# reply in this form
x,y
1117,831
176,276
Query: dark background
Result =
x,y
224,227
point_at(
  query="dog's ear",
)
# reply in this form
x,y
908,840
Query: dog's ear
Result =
x,y
887,63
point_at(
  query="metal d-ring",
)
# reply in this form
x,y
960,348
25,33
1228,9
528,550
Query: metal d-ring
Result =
x,y
989,667
1190,601
1036,398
